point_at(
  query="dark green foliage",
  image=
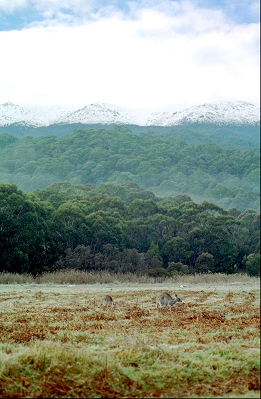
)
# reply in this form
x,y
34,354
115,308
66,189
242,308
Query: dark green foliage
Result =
x,y
158,272
204,263
165,165
178,268
24,231
253,265
6,139
80,227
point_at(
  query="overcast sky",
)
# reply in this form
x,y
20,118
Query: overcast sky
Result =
x,y
136,54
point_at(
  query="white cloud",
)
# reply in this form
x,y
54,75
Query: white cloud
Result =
x,y
172,55
58,9
11,6
43,5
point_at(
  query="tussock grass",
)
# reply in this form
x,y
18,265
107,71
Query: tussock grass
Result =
x,y
213,278
54,371
15,278
72,276
81,277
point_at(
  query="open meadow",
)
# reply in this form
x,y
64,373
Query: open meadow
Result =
x,y
56,340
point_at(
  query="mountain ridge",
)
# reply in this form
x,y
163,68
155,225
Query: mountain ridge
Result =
x,y
238,113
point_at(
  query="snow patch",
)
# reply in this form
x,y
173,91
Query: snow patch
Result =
x,y
99,113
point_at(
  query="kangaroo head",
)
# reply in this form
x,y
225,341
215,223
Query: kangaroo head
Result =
x,y
177,298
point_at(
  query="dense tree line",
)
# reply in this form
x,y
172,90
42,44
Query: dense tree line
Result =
x,y
167,165
122,228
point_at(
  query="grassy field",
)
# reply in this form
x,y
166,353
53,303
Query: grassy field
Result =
x,y
56,340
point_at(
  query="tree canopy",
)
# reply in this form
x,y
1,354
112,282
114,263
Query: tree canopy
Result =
x,y
124,228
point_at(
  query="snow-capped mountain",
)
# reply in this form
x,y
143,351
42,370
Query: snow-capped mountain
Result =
x,y
99,113
12,113
30,116
236,113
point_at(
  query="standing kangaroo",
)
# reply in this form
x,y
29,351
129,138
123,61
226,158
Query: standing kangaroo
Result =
x,y
165,299
107,301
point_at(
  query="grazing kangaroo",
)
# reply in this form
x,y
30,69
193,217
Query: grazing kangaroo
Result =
x,y
165,299
107,301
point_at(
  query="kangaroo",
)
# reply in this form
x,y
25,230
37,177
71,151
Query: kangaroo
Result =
x,y
107,301
164,299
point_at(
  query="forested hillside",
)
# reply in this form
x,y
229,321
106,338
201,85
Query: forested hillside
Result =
x,y
230,135
122,228
198,165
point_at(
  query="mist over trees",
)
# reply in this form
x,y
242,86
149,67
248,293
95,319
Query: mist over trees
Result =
x,y
205,167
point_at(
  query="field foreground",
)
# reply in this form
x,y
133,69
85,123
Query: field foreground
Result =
x,y
58,341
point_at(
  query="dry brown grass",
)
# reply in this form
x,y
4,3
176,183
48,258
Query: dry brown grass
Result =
x,y
71,276
57,341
